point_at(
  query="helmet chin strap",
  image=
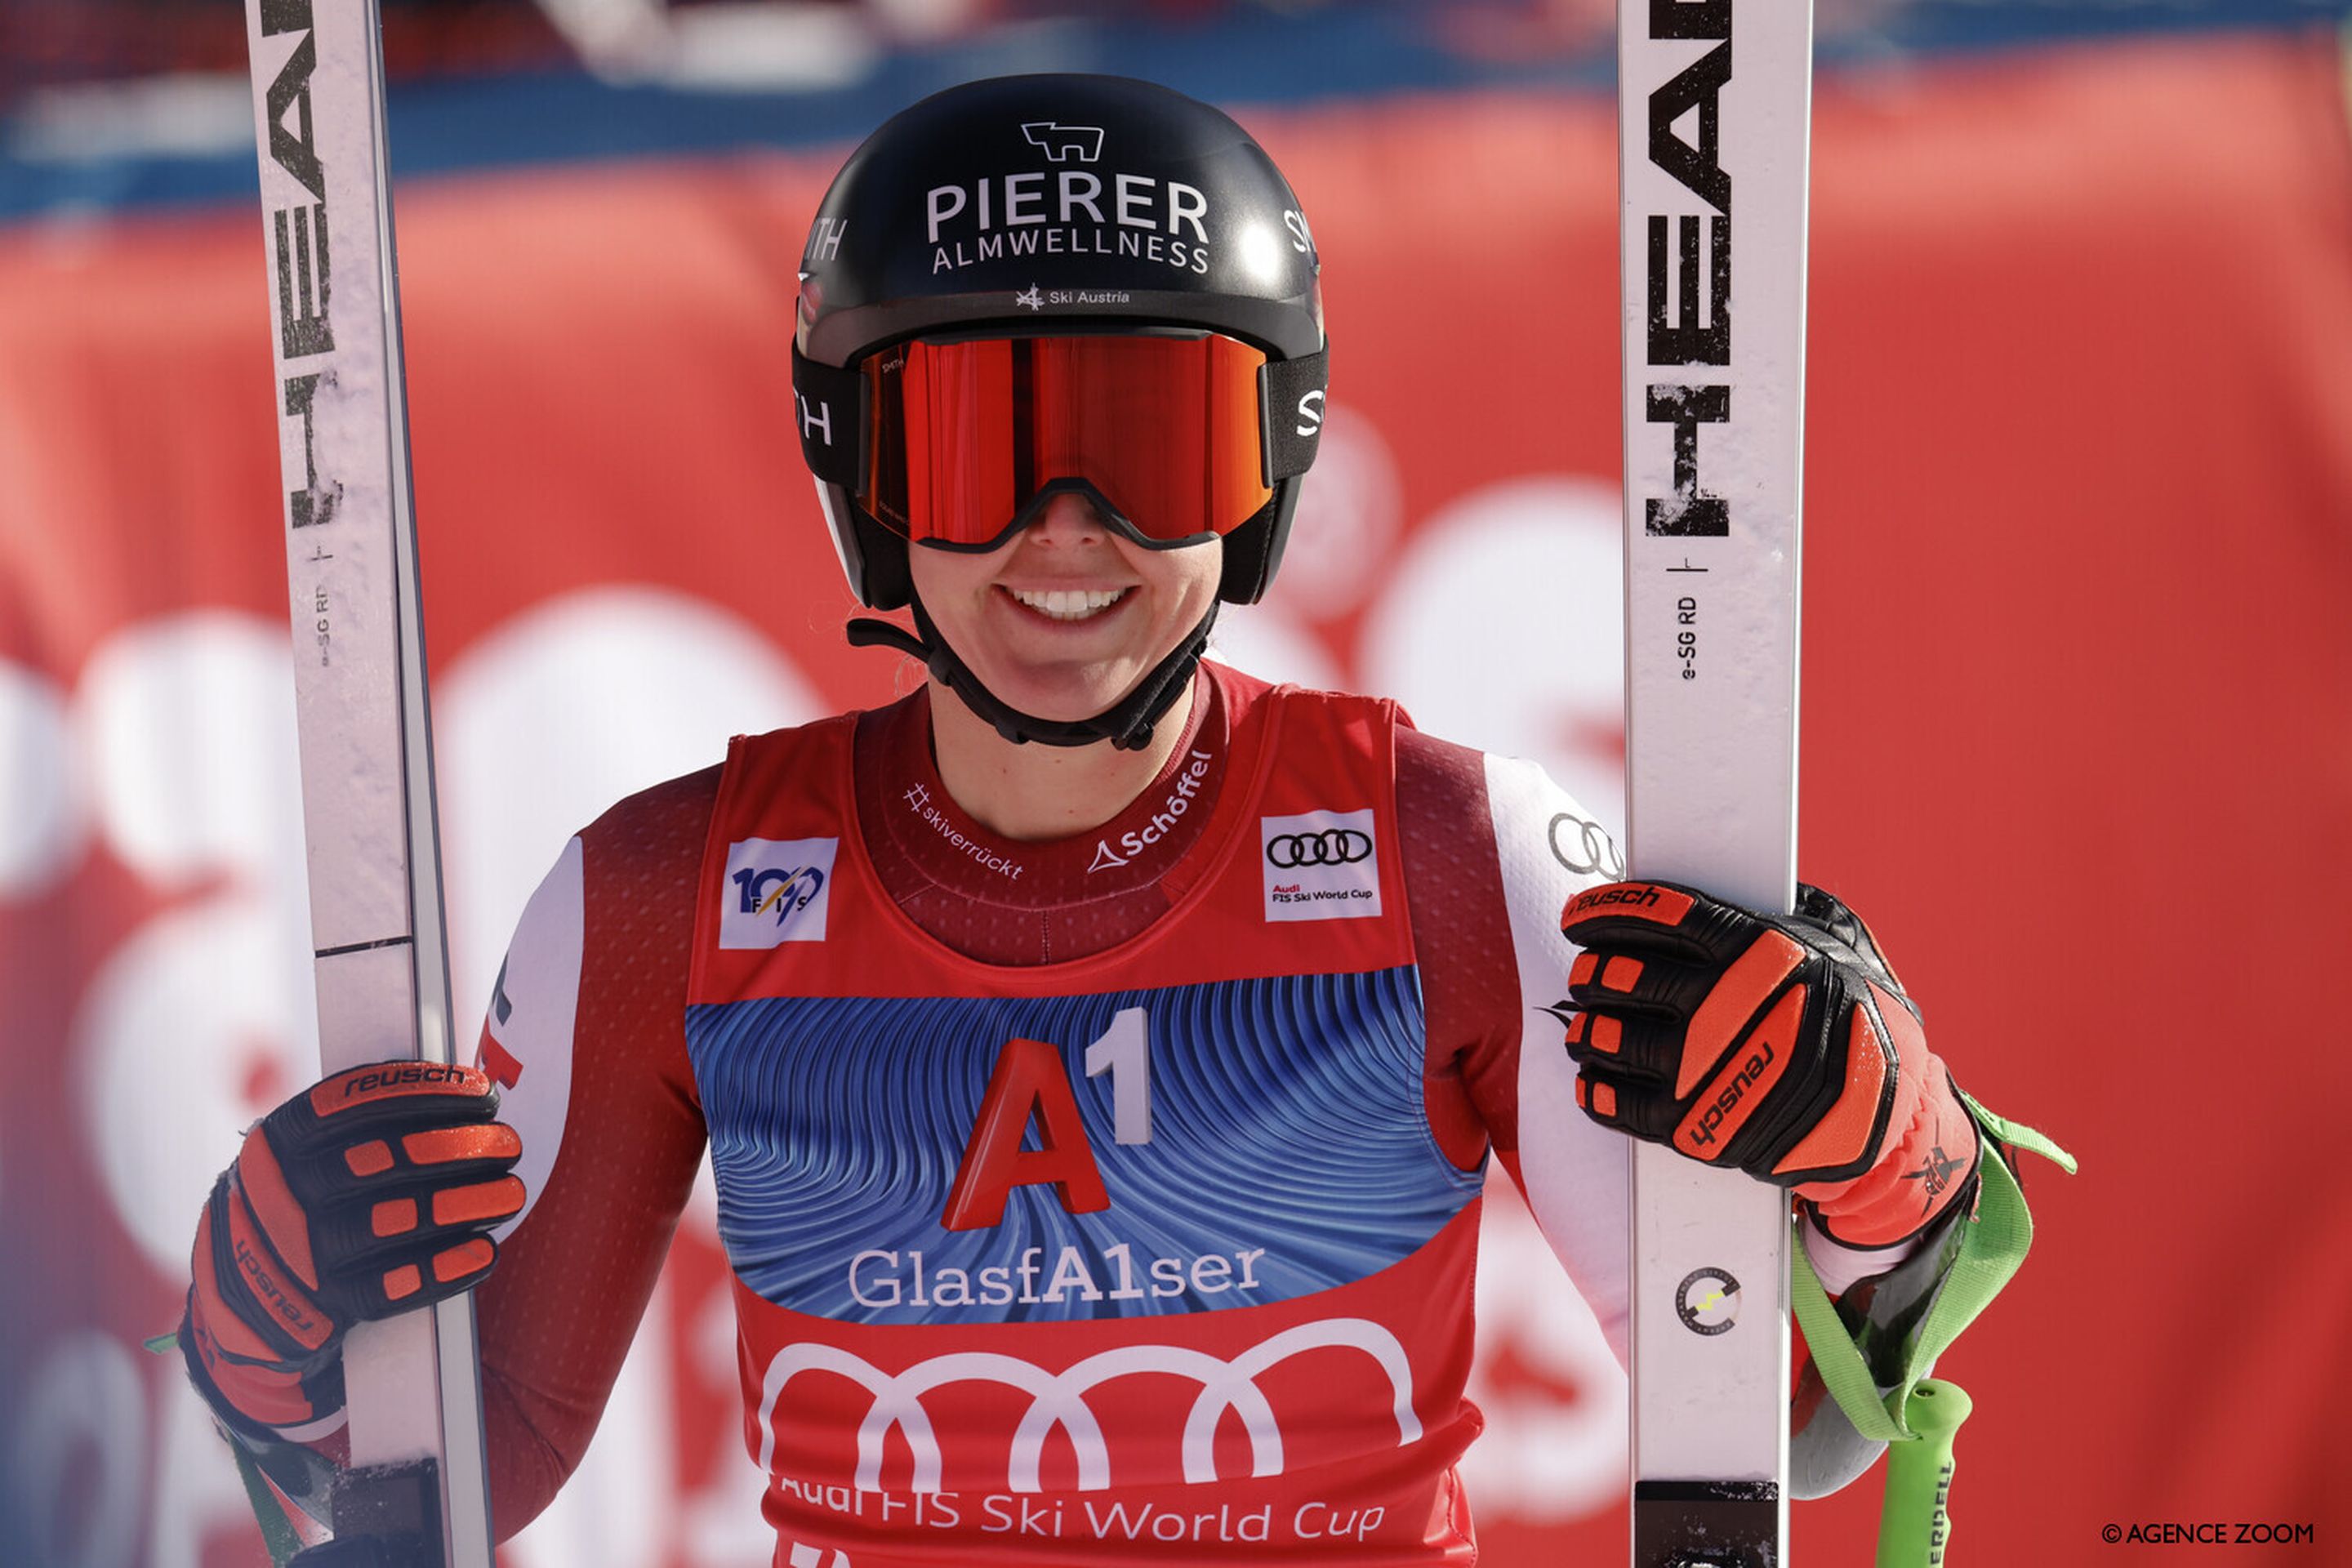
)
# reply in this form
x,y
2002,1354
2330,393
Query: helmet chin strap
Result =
x,y
1127,724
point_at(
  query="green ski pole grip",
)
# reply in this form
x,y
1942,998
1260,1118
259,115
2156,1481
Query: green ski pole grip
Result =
x,y
1915,1522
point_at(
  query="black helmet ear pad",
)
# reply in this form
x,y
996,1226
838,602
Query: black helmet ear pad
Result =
x,y
877,560
1253,550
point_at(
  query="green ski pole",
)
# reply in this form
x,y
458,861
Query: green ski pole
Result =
x,y
1915,1522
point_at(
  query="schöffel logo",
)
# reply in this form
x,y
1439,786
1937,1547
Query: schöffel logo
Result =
x,y
1058,1399
1320,866
1183,795
778,890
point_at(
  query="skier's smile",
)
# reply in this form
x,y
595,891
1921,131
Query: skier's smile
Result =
x,y
1066,616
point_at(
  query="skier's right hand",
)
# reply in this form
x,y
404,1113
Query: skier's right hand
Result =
x,y
371,1193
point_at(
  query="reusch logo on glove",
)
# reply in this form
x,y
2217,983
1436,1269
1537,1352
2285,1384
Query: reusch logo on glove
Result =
x,y
349,1089
1639,901
301,1321
1723,1113
404,1076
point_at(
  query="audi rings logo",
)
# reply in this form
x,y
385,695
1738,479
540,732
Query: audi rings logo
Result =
x,y
1585,847
1332,847
1058,1399
1321,865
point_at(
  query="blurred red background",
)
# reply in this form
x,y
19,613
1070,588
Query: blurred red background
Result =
x,y
2077,663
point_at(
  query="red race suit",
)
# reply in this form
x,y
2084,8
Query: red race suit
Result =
x,y
1101,1201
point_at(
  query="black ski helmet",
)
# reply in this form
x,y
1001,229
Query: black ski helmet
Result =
x,y
1029,204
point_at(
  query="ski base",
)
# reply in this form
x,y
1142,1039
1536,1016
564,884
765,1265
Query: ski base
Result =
x,y
387,1516
1707,1524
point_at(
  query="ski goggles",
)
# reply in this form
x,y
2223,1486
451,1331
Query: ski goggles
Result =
x,y
961,442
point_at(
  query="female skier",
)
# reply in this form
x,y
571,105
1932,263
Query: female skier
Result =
x,y
1100,1053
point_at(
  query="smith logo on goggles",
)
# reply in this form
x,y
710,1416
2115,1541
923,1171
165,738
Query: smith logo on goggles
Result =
x,y
959,443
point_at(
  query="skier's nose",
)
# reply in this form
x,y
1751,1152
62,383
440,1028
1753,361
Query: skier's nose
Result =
x,y
1068,518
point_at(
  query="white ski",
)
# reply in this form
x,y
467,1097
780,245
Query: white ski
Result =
x,y
1715,98
412,1382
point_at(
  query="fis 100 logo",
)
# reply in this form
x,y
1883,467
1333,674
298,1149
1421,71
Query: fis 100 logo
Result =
x,y
778,890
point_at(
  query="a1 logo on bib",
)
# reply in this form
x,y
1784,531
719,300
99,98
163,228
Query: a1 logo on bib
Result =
x,y
777,890
1320,866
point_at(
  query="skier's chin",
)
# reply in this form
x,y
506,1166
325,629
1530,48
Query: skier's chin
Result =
x,y
1062,693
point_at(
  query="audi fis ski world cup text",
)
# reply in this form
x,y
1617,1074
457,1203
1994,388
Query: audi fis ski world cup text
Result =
x,y
1226,1387
1010,1513
1682,332
1320,865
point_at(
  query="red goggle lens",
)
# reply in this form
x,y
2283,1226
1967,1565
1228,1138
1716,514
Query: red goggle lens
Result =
x,y
964,436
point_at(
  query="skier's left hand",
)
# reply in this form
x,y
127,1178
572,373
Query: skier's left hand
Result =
x,y
1782,1045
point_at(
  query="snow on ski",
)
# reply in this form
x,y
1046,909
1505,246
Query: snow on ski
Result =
x,y
1714,381
382,967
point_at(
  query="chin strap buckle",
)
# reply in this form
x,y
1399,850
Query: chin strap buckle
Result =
x,y
867,632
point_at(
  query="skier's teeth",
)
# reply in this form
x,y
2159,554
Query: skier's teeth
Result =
x,y
1068,604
